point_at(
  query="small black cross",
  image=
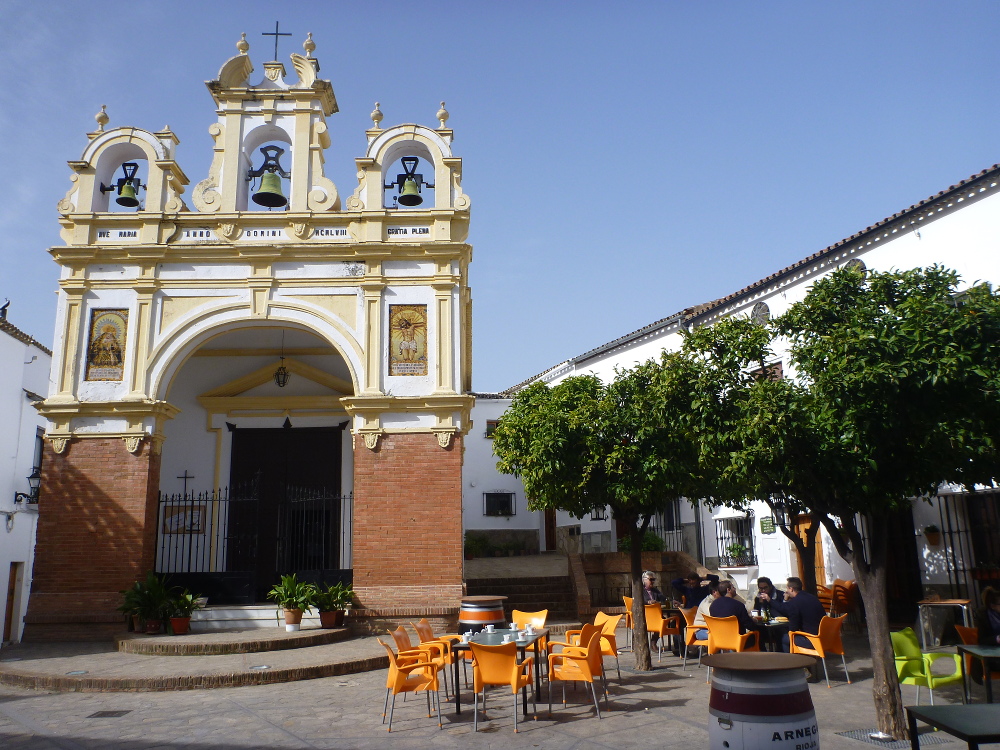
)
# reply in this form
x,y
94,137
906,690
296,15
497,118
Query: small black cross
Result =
x,y
275,34
186,477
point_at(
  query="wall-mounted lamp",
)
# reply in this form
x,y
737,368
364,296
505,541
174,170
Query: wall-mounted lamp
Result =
x,y
127,186
409,183
34,481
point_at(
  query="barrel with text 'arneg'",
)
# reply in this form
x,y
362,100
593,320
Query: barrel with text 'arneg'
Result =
x,y
479,611
761,700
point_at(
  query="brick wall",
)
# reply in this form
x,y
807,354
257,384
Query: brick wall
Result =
x,y
96,536
407,524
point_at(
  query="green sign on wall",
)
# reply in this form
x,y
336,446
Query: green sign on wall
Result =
x,y
767,524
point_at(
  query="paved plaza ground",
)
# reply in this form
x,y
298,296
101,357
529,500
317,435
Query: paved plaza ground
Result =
x,y
667,708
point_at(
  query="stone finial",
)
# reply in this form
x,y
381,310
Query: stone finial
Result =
x,y
243,45
442,115
102,118
309,45
376,116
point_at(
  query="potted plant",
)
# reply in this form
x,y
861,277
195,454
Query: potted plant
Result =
x,y
332,603
293,597
737,553
476,545
182,605
148,602
932,533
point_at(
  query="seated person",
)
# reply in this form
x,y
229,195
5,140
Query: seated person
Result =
x,y
693,587
764,585
803,610
988,625
699,617
729,603
651,594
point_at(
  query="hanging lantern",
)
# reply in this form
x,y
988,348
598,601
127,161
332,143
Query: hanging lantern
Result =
x,y
281,375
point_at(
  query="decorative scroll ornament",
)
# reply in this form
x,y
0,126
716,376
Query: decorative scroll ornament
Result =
x,y
67,204
59,444
371,440
132,443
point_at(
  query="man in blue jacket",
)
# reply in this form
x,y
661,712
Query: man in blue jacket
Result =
x,y
726,605
693,587
803,610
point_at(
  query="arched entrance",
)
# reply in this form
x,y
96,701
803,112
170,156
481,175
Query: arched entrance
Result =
x,y
256,477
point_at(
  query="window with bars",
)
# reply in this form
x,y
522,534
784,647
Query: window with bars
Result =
x,y
498,504
735,539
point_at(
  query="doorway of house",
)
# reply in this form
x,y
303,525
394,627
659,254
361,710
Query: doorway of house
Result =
x,y
296,473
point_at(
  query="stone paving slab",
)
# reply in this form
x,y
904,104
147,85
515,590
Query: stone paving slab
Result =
x,y
216,642
666,708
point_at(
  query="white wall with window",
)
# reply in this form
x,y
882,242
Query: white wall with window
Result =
x,y
491,501
24,376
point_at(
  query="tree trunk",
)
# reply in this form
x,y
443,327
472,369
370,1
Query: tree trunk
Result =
x,y
871,579
808,553
640,636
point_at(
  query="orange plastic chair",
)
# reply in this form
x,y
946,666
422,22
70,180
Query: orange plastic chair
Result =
x,y
412,677
579,664
970,637
690,638
427,638
435,651
497,665
535,619
724,635
825,596
629,624
828,641
657,623
574,638
607,624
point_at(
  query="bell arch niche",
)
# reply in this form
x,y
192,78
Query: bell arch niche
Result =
x,y
158,181
266,149
383,163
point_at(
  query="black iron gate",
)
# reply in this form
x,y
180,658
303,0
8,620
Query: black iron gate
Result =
x,y
213,542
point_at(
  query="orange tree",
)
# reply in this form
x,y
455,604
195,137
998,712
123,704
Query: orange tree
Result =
x,y
583,444
899,394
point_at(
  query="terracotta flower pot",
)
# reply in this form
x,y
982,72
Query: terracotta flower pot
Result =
x,y
293,619
332,619
933,538
180,625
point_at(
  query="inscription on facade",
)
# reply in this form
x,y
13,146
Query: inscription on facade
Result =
x,y
198,234
336,232
117,234
258,234
409,233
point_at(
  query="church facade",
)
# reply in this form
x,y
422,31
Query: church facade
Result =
x,y
257,377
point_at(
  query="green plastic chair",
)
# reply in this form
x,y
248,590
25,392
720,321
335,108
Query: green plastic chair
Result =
x,y
913,666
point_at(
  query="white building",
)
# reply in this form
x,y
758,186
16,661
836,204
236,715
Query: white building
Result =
x,y
958,228
24,373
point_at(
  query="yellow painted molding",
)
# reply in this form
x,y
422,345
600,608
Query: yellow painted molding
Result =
x,y
306,351
270,405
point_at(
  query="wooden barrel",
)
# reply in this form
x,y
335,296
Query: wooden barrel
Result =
x,y
479,611
761,700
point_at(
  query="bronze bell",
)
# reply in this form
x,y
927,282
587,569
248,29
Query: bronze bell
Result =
x,y
126,195
270,194
409,194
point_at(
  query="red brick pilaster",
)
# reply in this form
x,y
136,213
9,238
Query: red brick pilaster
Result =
x,y
407,553
96,536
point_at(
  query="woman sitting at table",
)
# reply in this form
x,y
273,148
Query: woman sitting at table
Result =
x,y
988,625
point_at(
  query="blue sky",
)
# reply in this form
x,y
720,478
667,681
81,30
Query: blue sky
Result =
x,y
624,160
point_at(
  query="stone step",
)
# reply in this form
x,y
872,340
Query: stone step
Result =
x,y
236,617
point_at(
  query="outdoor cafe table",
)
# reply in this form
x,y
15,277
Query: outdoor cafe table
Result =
x,y
770,633
495,639
974,724
982,653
